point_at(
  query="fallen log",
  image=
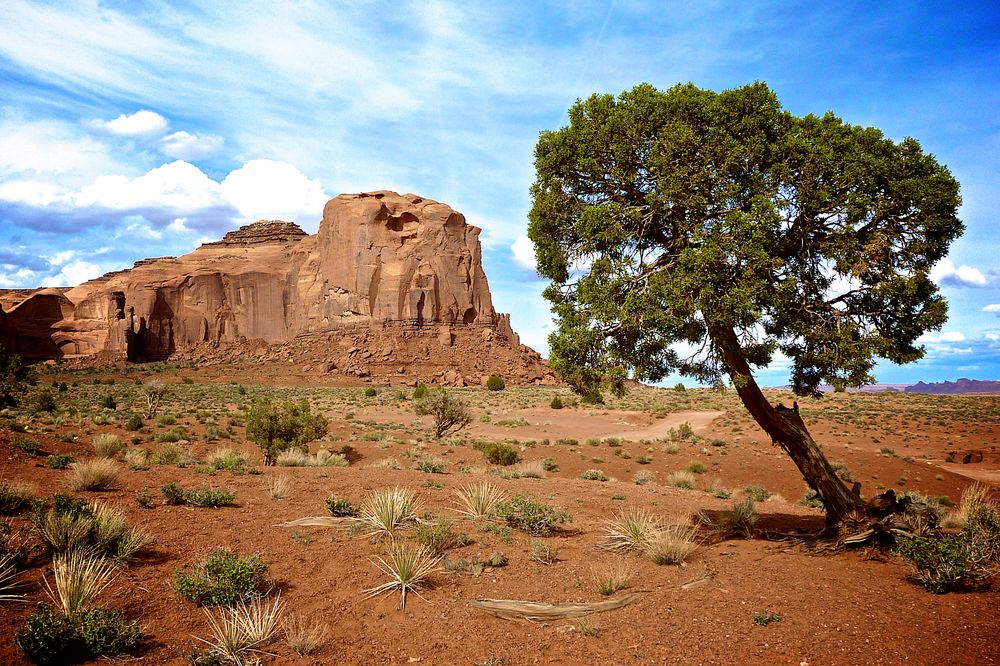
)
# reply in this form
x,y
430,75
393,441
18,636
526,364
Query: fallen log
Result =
x,y
537,611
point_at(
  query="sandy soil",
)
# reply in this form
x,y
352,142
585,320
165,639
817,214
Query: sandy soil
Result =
x,y
845,608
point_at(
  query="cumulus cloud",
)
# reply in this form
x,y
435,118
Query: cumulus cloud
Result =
x,y
946,272
992,307
142,123
524,252
78,272
187,146
30,149
265,189
943,336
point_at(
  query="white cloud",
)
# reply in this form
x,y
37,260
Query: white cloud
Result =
x,y
29,149
142,123
992,307
945,272
267,189
186,146
60,258
178,185
77,272
943,336
524,252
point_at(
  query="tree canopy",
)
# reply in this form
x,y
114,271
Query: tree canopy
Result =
x,y
695,217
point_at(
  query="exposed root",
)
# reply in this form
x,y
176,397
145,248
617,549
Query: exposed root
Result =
x,y
536,611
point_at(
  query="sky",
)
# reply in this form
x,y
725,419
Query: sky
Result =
x,y
135,129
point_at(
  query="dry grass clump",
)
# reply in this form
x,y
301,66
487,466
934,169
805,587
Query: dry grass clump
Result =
x,y
479,500
975,498
94,474
8,579
14,496
136,458
278,486
672,544
242,629
682,479
385,463
303,635
79,579
296,457
613,577
630,530
644,476
409,566
385,511
107,445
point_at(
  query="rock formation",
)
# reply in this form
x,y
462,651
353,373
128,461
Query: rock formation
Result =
x,y
378,260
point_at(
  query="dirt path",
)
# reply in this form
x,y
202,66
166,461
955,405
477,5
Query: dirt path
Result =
x,y
698,421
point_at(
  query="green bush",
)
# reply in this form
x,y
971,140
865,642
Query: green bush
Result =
x,y
278,428
440,537
450,414
58,461
524,513
13,497
44,402
15,378
420,391
340,506
940,562
107,633
556,403
222,579
496,383
49,638
134,422
498,453
593,475
203,497
108,402
757,493
27,444
370,392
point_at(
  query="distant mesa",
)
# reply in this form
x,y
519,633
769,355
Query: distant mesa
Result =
x,y
955,388
379,259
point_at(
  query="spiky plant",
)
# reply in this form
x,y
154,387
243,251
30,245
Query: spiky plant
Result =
x,y
133,540
630,530
8,580
278,486
260,619
409,567
110,524
613,577
304,635
65,532
79,579
672,544
107,445
479,500
974,498
385,511
229,640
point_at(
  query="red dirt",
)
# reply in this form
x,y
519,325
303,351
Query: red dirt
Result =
x,y
845,608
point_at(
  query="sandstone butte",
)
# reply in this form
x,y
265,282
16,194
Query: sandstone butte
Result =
x,y
389,283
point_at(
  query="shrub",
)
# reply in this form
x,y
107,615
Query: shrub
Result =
x,y
230,459
222,579
203,497
370,392
696,467
15,378
133,422
556,403
58,461
672,544
757,493
79,578
171,454
613,577
107,633
108,402
408,567
340,506
939,562
739,519
681,479
495,383
449,413
95,474
107,445
49,638
630,530
13,497
419,392
593,475
304,636
44,402
439,537
165,420
766,617
524,513
479,500
644,476
277,429
498,453
385,511
431,465
29,445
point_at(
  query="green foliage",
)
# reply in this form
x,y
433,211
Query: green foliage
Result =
x,y
420,391
58,461
278,428
133,422
700,214
766,617
45,402
449,413
525,513
108,402
29,445
498,453
49,638
593,475
440,537
340,506
107,633
222,579
15,378
495,383
556,403
203,497
370,392
757,493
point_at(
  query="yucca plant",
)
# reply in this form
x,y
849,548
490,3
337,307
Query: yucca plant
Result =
x,y
672,544
974,498
409,567
303,635
479,500
96,474
278,486
385,511
133,540
8,579
229,640
259,618
110,524
79,579
65,532
630,530
613,577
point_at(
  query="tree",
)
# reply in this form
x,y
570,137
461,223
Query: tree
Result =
x,y
276,429
726,224
154,391
15,378
449,413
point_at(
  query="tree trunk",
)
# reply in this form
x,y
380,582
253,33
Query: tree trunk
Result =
x,y
787,429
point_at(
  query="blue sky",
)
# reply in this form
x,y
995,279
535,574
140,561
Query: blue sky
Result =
x,y
134,129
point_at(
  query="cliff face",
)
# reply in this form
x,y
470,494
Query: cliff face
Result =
x,y
378,259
